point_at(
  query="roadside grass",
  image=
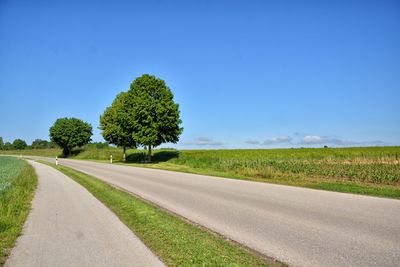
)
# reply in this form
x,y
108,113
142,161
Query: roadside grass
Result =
x,y
47,152
86,153
17,185
100,153
372,190
176,241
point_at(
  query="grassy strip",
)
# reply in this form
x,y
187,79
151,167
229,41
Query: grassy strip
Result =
x,y
48,152
15,204
362,189
175,241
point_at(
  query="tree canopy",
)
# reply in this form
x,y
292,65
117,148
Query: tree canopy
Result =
x,y
155,117
1,143
8,146
19,144
146,116
114,123
69,133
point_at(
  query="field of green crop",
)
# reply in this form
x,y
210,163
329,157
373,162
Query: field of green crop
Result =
x,y
378,165
10,169
17,184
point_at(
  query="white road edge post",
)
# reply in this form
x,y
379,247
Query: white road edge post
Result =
x,y
56,161
110,158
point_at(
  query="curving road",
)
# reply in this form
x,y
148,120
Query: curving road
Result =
x,y
298,226
69,227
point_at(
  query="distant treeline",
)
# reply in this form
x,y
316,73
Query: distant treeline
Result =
x,y
20,144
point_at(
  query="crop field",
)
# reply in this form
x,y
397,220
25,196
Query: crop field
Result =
x,y
17,184
10,169
378,165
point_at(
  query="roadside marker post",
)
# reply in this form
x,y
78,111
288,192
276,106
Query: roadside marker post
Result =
x,y
56,161
110,158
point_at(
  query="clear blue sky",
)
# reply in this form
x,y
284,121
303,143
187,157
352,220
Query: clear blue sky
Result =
x,y
246,73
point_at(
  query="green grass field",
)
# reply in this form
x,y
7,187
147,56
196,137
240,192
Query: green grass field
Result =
x,y
364,170
17,185
34,152
174,240
368,165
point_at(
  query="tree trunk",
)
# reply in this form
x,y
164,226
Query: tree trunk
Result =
x,y
149,155
124,155
66,151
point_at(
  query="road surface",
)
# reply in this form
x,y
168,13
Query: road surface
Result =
x,y
298,226
69,227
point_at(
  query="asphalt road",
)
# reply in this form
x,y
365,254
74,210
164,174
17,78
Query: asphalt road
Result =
x,y
298,226
69,227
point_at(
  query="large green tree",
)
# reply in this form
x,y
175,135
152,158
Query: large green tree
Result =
x,y
1,143
114,123
19,144
154,116
69,133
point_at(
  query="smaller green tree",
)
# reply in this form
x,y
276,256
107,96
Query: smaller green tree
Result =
x,y
8,146
69,133
114,123
1,143
19,144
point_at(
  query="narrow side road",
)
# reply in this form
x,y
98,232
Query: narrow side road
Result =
x,y
298,226
69,227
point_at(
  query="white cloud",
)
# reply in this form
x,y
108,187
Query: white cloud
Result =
x,y
319,140
312,139
204,141
252,142
315,139
278,140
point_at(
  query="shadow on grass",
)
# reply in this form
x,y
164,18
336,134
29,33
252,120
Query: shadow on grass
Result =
x,y
76,152
72,154
160,156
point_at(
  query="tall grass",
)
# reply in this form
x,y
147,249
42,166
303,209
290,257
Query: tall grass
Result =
x,y
47,152
17,184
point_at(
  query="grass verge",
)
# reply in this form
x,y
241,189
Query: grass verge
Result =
x,y
17,185
176,241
